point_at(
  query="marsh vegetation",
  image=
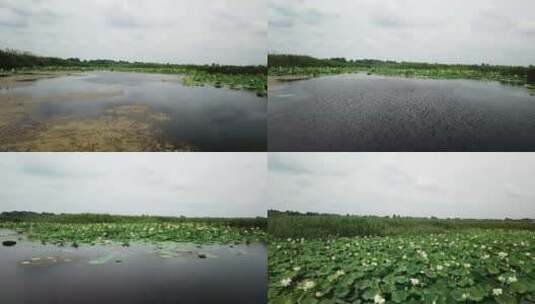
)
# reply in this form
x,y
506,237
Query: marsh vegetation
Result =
x,y
351,259
131,259
285,65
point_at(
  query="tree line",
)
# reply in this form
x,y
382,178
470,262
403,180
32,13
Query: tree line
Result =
x,y
14,59
289,60
92,218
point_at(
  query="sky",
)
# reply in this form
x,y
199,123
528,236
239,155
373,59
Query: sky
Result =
x,y
174,31
452,31
465,185
168,184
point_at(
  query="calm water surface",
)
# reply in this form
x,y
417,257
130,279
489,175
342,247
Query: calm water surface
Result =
x,y
371,113
210,118
143,275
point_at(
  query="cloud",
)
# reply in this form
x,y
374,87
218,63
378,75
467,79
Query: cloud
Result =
x,y
453,31
191,184
281,23
202,31
279,163
293,14
426,184
469,185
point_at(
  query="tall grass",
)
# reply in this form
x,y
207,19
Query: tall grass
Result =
x,y
88,218
325,226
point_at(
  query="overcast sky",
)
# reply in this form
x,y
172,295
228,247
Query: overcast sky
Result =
x,y
468,185
176,31
452,31
173,184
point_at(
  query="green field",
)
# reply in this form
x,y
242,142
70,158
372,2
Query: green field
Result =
x,y
294,65
250,78
402,260
90,229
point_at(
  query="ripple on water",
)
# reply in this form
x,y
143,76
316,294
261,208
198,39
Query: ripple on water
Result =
x,y
369,113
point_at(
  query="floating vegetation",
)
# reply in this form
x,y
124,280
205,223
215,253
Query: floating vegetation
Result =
x,y
487,266
120,128
44,261
106,258
256,83
121,233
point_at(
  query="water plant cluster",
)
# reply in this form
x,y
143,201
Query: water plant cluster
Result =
x,y
102,233
470,266
78,229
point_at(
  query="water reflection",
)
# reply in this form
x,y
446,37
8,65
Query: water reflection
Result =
x,y
207,118
36,273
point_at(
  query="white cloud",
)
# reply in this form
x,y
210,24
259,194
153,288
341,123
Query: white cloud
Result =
x,y
432,31
473,185
191,184
177,31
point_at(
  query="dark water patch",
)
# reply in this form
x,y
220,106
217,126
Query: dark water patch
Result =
x,y
371,113
210,119
36,273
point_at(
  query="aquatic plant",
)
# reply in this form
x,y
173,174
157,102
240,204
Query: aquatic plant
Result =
x,y
469,266
102,229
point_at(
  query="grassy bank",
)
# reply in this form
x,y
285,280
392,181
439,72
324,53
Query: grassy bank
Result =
x,y
293,225
285,65
78,229
251,78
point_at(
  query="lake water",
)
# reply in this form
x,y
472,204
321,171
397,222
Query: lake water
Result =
x,y
371,113
136,274
210,119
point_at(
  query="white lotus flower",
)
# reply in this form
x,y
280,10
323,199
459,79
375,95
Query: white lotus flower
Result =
x,y
440,267
512,279
297,268
308,284
415,282
378,299
286,282
497,291
502,254
422,253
